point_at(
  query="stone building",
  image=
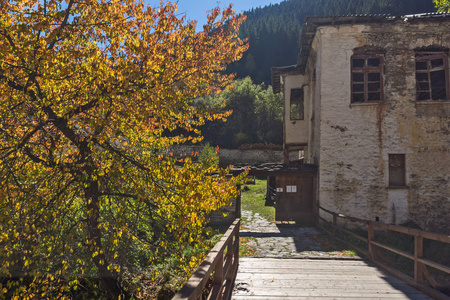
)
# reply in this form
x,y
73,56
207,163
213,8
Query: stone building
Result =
x,y
368,103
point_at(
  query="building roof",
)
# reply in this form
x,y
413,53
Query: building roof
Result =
x,y
312,23
274,169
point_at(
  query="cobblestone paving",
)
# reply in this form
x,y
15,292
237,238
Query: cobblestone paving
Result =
x,y
285,240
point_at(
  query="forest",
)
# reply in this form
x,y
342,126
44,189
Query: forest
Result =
x,y
274,31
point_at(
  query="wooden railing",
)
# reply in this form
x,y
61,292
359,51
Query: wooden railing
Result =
x,y
420,263
222,263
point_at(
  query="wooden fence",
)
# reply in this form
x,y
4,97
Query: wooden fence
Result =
x,y
221,263
421,271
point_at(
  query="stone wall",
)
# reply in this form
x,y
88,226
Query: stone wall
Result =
x,y
356,139
233,156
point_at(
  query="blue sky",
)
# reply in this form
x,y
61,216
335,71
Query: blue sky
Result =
x,y
196,9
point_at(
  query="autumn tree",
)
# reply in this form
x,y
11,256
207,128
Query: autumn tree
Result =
x,y
88,188
442,5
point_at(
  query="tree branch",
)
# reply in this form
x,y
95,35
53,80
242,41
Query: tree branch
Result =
x,y
63,24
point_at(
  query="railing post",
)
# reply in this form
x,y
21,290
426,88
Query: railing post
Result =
x,y
370,237
334,223
229,259
237,241
418,253
218,275
238,202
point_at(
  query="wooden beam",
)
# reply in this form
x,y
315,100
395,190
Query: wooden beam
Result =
x,y
393,249
418,253
434,265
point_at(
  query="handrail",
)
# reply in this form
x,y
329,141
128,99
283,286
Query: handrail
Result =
x,y
420,264
222,264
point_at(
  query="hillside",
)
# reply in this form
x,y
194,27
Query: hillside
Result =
x,y
274,31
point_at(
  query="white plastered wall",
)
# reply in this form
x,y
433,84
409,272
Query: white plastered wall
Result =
x,y
295,131
356,139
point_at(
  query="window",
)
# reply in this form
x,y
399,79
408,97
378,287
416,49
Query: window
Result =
x,y
397,175
297,107
367,79
431,76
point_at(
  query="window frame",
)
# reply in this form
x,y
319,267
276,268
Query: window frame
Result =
x,y
428,56
301,105
366,70
397,165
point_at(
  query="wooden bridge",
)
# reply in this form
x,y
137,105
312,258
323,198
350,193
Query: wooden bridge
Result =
x,y
230,277
275,278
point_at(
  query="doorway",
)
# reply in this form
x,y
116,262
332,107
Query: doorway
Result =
x,y
294,200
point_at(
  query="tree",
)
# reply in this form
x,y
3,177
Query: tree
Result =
x,y
87,187
442,5
257,115
274,32
208,156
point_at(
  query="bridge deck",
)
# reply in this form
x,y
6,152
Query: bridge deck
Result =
x,y
275,278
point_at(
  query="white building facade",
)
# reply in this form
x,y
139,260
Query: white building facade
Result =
x,y
368,103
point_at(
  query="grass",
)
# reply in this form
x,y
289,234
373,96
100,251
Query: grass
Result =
x,y
253,198
247,246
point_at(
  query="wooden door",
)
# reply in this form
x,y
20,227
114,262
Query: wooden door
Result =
x,y
294,199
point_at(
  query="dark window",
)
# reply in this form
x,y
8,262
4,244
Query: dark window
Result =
x,y
397,175
297,107
367,82
431,76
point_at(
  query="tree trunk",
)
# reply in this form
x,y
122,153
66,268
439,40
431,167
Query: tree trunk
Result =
x,y
107,277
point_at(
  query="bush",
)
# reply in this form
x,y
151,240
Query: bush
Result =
x,y
208,157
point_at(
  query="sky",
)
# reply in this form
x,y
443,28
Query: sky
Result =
x,y
196,9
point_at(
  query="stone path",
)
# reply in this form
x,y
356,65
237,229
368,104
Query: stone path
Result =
x,y
286,240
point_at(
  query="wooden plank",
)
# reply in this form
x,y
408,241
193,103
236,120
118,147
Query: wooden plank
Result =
x,y
430,278
301,261
334,270
435,265
384,297
326,284
395,250
349,293
309,272
260,278
229,283
418,253
319,268
321,282
415,232
298,277
216,291
370,237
